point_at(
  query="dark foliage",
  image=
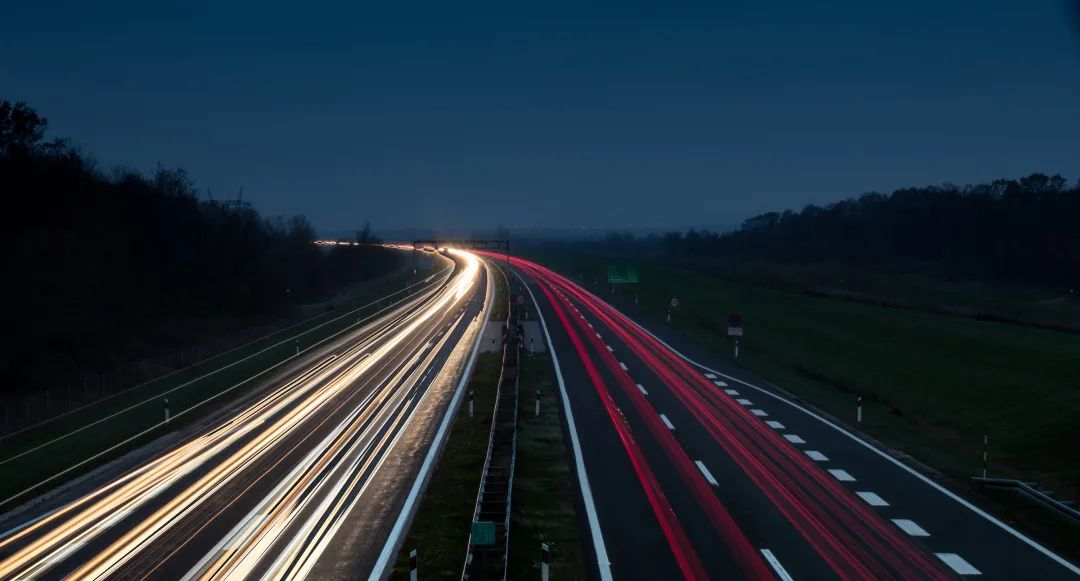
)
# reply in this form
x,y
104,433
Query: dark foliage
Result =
x,y
1023,231
99,271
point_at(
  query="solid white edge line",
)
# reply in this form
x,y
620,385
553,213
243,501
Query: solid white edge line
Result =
x,y
667,422
390,547
602,561
705,472
781,572
992,519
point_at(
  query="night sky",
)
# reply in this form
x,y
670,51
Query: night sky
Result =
x,y
462,115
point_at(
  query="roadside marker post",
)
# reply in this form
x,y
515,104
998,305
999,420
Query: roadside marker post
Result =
x,y
297,347
544,567
986,449
735,331
167,414
858,409
472,398
538,403
413,575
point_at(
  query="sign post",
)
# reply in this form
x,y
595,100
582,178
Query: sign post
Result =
x,y
735,330
673,304
858,409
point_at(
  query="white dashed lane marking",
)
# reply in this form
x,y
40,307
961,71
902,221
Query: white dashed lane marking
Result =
x,y
781,573
910,527
667,422
621,364
958,564
745,401
720,384
817,456
774,425
872,499
705,472
794,439
609,348
841,475
710,376
758,413
731,392
641,388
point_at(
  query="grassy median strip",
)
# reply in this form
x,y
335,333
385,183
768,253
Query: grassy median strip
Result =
x,y
932,383
41,452
543,508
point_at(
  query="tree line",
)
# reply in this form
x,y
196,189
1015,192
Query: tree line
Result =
x,y
102,269
1024,231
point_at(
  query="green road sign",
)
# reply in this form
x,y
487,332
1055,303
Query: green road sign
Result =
x,y
483,533
622,274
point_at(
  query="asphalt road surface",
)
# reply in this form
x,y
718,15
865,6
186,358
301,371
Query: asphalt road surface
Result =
x,y
691,468
279,488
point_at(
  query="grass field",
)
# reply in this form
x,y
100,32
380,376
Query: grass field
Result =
x,y
932,383
40,452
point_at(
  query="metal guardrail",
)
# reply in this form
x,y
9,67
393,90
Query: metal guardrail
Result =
x,y
488,561
1031,490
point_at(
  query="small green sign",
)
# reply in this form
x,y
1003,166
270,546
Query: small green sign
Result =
x,y
483,533
622,274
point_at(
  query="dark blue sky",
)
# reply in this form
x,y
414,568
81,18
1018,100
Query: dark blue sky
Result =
x,y
463,114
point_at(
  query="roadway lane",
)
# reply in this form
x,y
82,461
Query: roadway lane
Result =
x,y
785,489
266,491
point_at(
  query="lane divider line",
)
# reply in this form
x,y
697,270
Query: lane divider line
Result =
x,y
667,422
705,472
781,572
817,456
958,564
774,425
909,527
641,388
794,439
872,499
841,475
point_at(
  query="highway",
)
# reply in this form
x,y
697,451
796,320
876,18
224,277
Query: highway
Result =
x,y
279,488
689,467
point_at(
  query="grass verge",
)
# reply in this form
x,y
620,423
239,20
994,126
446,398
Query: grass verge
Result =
x,y
932,383
543,508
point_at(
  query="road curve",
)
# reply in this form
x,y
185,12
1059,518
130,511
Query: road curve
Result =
x,y
266,491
